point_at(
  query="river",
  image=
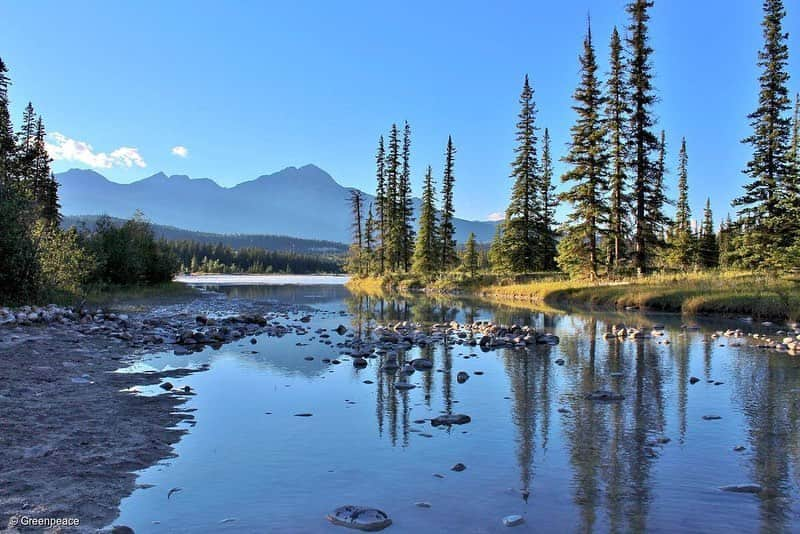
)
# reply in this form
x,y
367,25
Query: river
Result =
x,y
534,447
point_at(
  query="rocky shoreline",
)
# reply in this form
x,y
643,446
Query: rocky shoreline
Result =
x,y
72,431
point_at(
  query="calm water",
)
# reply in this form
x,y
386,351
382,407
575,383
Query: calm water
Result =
x,y
588,466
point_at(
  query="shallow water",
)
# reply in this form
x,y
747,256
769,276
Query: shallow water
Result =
x,y
250,465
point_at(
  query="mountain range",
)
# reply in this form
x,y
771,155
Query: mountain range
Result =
x,y
304,202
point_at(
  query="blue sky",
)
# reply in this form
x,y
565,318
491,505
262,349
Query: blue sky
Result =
x,y
251,87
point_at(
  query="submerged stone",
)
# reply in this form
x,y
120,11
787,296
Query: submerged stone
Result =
x,y
360,518
513,520
743,488
451,419
603,395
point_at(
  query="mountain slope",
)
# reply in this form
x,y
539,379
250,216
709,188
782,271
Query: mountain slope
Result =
x,y
303,202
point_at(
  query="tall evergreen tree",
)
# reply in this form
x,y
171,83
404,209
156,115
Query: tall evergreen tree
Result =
x,y
405,203
618,115
369,242
7,144
579,249
393,240
357,246
761,212
380,204
426,251
548,202
682,241
448,257
656,200
520,233
708,249
642,141
471,256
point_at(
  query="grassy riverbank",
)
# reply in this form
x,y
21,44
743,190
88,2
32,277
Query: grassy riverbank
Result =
x,y
731,293
129,295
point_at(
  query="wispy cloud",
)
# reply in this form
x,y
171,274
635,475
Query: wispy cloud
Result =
x,y
496,216
61,147
180,151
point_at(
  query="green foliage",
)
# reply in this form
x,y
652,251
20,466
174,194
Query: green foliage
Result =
x,y
63,263
129,254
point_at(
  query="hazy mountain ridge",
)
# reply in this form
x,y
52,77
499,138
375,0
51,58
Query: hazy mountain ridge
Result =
x,y
303,202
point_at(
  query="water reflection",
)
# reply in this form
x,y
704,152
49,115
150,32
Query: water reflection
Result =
x,y
613,448
646,463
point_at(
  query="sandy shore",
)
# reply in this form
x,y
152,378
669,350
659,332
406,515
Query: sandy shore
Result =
x,y
70,439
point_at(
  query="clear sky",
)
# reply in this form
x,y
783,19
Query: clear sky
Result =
x,y
233,90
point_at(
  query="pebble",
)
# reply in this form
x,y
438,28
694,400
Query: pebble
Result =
x,y
513,520
458,467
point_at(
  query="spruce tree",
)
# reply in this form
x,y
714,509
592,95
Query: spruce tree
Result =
x,y
517,250
26,137
762,212
380,204
471,256
708,249
426,251
369,242
642,141
579,249
656,200
405,204
548,202
357,246
682,241
393,238
448,257
7,144
618,115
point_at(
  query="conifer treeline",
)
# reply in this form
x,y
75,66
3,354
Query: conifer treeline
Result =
x,y
386,241
615,180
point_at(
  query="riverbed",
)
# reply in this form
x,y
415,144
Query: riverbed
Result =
x,y
655,460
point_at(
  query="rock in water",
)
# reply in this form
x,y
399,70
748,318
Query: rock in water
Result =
x,y
743,488
712,417
359,518
403,385
603,395
121,529
451,419
513,520
694,380
462,377
458,467
341,329
422,363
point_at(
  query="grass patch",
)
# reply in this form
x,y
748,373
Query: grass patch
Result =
x,y
128,297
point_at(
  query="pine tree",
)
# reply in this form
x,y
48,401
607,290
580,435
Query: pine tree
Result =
x,y
380,202
708,251
791,189
448,257
426,251
405,203
618,114
642,141
471,256
517,252
548,202
762,213
579,250
682,241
